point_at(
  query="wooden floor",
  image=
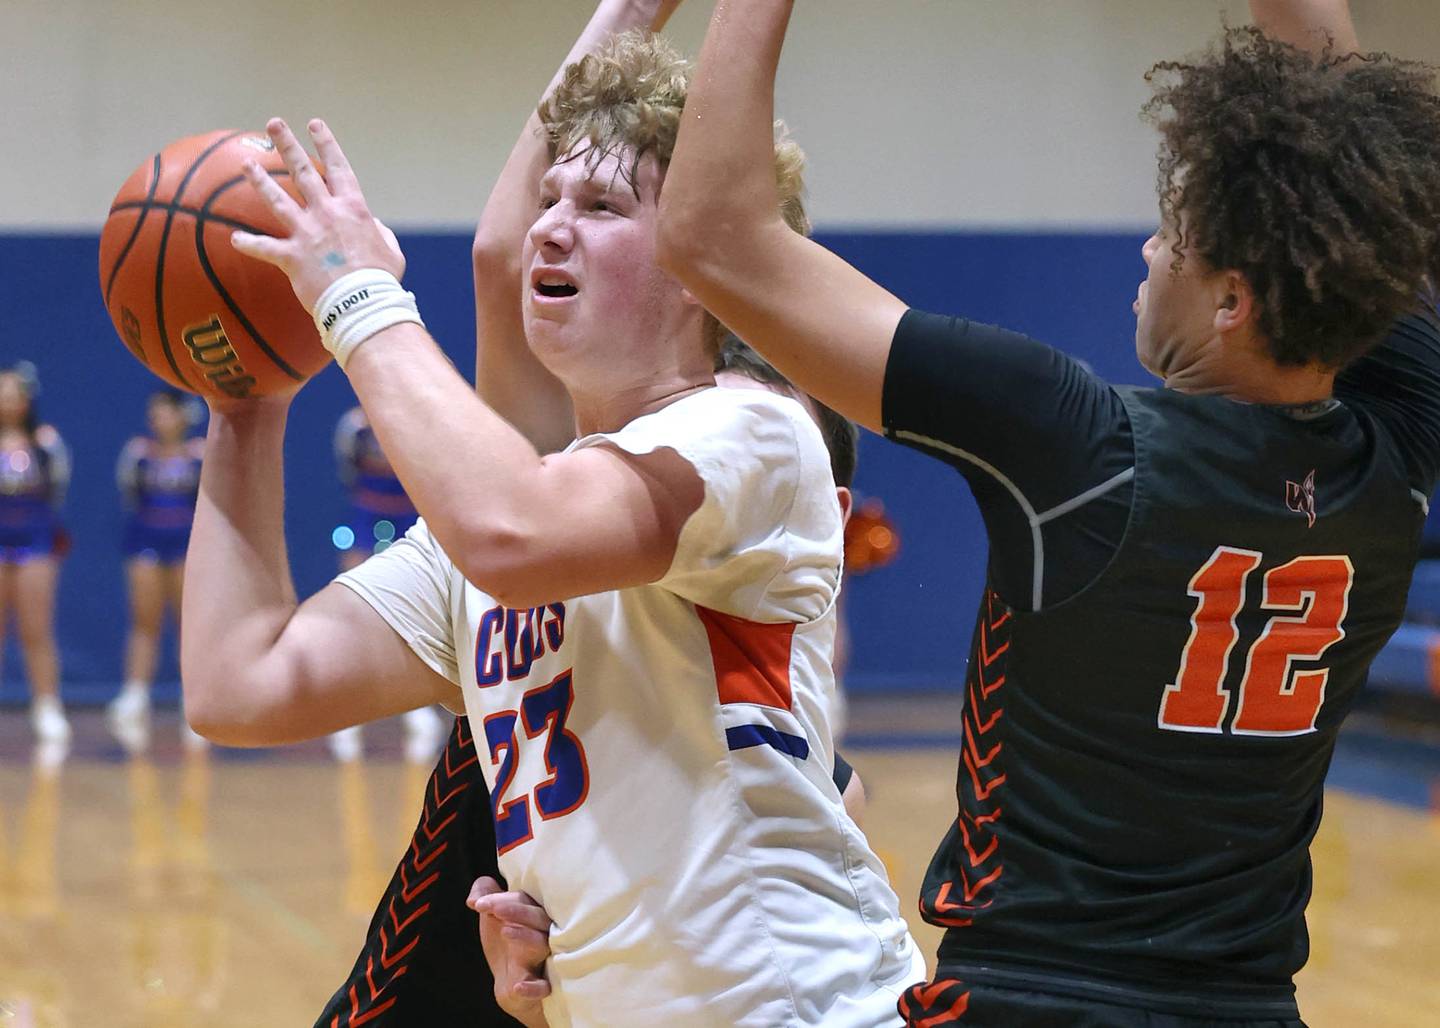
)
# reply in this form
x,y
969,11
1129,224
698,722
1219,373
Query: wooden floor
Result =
x,y
231,889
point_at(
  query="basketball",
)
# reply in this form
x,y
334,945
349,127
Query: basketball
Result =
x,y
185,303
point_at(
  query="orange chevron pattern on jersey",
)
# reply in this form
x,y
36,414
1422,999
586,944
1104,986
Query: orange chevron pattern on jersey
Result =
x,y
929,1005
409,898
954,904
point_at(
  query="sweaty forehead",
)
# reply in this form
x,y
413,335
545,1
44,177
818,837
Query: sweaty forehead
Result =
x,y
613,171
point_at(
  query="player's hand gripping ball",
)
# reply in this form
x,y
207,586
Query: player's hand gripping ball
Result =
x,y
331,232
186,304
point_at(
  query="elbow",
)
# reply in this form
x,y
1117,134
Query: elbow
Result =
x,y
681,240
496,261
220,707
708,247
509,564
211,721
219,733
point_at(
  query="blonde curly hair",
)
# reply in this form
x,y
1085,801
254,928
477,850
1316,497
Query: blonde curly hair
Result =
x,y
629,95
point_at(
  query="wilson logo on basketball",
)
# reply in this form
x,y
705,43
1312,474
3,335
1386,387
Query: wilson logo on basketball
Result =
x,y
167,267
210,348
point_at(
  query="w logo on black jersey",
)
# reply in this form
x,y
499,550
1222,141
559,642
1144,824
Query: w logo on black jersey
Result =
x,y
1300,497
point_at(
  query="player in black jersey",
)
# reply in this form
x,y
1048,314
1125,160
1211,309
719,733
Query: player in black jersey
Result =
x,y
1186,585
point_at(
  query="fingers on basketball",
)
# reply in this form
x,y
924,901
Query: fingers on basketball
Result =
x,y
338,172
297,161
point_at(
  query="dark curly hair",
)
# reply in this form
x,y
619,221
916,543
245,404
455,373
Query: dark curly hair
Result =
x,y
1316,176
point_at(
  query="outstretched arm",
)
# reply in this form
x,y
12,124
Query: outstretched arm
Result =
x,y
509,378
1307,24
826,326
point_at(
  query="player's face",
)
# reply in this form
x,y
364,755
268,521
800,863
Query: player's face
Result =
x,y
1174,311
593,295
14,400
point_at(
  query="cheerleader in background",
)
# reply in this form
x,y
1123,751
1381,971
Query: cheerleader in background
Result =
x,y
380,513
34,472
159,479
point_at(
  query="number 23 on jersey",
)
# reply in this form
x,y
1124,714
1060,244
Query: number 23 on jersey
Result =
x,y
542,713
1274,698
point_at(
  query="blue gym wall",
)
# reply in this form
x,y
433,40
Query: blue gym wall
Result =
x,y
948,119
910,621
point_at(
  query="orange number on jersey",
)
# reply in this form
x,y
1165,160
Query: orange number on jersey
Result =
x,y
1196,703
1274,699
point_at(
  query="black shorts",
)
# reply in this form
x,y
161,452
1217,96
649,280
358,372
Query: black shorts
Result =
x,y
947,1001
422,965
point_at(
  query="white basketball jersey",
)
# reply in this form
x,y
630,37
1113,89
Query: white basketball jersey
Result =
x,y
659,758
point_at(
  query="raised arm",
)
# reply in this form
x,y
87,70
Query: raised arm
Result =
x,y
527,530
826,326
507,375
258,668
1307,24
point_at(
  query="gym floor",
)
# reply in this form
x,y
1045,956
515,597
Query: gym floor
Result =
x,y
232,888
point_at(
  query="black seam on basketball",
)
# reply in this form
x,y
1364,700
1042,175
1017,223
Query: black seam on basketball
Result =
x,y
194,212
164,244
224,294
139,222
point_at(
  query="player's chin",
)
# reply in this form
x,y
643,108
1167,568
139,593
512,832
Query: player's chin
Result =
x,y
1145,354
550,341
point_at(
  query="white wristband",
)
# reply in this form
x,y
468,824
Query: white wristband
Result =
x,y
358,305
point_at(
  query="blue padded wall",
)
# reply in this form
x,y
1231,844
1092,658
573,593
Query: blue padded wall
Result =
x,y
910,621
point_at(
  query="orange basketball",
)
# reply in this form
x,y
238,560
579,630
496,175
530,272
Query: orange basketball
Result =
x,y
186,304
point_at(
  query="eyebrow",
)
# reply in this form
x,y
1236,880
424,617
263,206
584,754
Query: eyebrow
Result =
x,y
592,185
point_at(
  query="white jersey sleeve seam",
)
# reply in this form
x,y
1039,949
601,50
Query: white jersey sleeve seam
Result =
x,y
449,673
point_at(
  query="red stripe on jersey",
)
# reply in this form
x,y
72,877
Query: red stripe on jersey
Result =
x,y
752,660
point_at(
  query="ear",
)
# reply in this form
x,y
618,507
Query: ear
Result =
x,y
847,504
1235,303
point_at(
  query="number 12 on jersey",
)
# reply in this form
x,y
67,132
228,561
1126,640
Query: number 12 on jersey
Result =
x,y
1273,698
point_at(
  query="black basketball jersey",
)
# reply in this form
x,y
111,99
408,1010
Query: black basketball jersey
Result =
x,y
421,963
1142,762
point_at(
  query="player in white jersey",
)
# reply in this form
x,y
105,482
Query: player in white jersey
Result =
x,y
640,626
631,727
